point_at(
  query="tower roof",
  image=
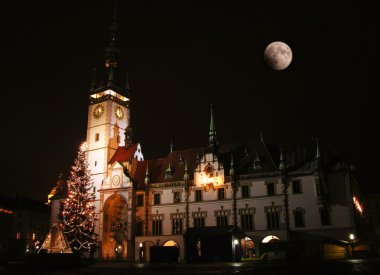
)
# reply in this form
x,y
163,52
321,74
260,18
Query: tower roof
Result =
x,y
212,138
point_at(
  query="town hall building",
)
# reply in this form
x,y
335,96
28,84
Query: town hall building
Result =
x,y
216,202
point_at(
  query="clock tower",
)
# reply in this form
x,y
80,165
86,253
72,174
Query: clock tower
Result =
x,y
108,117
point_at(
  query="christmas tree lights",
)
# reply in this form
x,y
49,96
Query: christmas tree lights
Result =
x,y
78,216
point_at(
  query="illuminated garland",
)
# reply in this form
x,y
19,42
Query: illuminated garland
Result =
x,y
78,216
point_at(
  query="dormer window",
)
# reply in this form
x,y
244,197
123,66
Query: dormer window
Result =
x,y
257,163
168,172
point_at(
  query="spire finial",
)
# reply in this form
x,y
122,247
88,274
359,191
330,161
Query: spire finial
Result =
x,y
93,83
147,178
282,165
171,145
261,135
186,174
232,170
317,153
212,139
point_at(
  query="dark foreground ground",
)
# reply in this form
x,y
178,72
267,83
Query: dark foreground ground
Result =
x,y
366,266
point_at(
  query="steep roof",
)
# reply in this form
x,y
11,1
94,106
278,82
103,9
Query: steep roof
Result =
x,y
123,154
298,158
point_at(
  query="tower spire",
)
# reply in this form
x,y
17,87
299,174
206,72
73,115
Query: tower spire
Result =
x,y
112,51
212,139
93,83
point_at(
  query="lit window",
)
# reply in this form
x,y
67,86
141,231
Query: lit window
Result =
x,y
18,235
97,137
177,226
33,236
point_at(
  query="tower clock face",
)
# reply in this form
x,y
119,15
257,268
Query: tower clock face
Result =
x,y
119,112
98,111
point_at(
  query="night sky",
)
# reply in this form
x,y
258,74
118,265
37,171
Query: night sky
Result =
x,y
181,58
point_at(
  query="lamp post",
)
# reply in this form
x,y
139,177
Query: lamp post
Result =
x,y
352,240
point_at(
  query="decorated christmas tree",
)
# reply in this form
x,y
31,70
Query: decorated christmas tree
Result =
x,y
78,216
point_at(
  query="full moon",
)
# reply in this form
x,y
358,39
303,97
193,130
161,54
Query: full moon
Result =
x,y
278,55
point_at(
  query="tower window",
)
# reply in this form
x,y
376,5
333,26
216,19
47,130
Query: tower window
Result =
x,y
95,163
96,137
118,138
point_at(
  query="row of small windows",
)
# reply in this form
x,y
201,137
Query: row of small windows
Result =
x,y
222,219
221,194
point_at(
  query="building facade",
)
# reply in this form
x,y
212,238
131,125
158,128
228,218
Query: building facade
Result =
x,y
217,202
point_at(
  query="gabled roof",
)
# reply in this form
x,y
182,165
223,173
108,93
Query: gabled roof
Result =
x,y
123,154
298,158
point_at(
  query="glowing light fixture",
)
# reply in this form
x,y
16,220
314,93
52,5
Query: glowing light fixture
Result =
x,y
270,238
357,205
352,237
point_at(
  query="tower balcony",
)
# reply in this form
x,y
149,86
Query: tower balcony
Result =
x,y
109,94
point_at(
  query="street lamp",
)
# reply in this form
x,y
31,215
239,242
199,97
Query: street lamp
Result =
x,y
352,239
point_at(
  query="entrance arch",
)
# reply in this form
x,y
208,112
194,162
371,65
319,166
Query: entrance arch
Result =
x,y
168,252
270,238
115,212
